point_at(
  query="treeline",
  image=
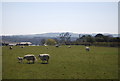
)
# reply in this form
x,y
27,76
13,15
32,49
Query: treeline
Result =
x,y
67,39
97,40
88,40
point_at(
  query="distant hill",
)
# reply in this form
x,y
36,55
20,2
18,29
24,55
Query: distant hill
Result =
x,y
36,38
54,35
57,35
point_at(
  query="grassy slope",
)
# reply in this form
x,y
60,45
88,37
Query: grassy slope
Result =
x,y
65,63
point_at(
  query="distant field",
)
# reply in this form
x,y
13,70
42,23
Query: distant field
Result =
x,y
64,63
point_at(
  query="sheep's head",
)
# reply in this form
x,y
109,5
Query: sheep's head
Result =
x,y
18,57
24,57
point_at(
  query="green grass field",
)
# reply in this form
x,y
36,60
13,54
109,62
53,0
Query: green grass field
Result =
x,y
64,63
0,63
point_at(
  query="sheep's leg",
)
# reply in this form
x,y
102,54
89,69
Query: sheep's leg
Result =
x,y
33,61
42,61
21,61
47,61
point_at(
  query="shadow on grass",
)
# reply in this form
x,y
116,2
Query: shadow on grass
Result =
x,y
25,63
44,63
31,63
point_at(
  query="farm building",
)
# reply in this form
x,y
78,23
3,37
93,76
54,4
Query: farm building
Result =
x,y
24,43
8,44
5,44
12,44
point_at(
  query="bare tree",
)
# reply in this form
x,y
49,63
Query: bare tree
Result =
x,y
65,38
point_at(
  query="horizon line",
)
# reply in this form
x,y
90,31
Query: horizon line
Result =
x,y
60,32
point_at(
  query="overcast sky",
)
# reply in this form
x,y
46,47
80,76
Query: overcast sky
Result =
x,y
42,17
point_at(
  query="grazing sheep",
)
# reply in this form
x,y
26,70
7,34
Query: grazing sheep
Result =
x,y
11,47
30,57
56,45
87,49
22,46
45,45
20,59
69,46
44,57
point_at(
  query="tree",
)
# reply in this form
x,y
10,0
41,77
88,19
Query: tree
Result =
x,y
90,39
115,39
50,42
99,35
85,40
99,38
65,38
43,41
107,38
57,41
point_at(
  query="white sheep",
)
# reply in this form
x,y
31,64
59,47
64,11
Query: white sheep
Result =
x,y
44,57
10,47
20,59
30,57
87,49
69,46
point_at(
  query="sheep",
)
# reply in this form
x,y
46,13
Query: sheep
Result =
x,y
30,57
22,46
44,57
20,59
69,46
87,49
45,45
56,45
10,47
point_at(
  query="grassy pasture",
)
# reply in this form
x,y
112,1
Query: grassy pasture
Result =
x,y
64,63
0,63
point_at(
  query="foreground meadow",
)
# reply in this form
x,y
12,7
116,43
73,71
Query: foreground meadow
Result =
x,y
64,63
0,63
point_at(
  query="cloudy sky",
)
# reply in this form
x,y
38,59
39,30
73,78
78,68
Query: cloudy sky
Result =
x,y
41,17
